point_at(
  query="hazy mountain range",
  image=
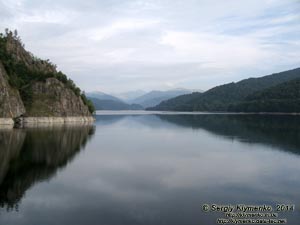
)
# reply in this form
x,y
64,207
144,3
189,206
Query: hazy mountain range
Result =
x,y
102,104
103,101
153,98
129,96
277,92
134,100
102,96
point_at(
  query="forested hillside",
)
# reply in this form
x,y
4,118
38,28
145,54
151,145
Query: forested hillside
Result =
x,y
221,97
284,97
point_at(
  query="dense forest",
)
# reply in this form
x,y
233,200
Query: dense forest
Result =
x,y
239,96
284,97
22,75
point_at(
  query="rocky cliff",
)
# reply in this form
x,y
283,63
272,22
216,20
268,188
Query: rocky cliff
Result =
x,y
32,88
11,105
52,98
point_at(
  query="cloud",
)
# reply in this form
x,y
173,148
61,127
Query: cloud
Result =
x,y
149,44
48,17
217,50
285,19
123,25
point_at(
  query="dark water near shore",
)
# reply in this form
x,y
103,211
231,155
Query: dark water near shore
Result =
x,y
148,169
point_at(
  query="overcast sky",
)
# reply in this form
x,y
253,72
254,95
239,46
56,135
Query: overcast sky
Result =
x,y
122,45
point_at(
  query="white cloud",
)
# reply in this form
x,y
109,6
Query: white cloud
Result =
x,y
47,17
150,44
215,49
120,26
285,19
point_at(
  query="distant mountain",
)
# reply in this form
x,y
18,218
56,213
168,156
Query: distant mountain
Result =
x,y
221,97
108,104
102,96
130,95
284,97
153,98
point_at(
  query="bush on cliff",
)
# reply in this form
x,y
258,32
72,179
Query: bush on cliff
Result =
x,y
20,76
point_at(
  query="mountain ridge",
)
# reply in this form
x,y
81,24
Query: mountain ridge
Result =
x,y
220,97
154,97
102,96
107,104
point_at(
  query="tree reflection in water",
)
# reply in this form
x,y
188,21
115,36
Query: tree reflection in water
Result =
x,y
31,155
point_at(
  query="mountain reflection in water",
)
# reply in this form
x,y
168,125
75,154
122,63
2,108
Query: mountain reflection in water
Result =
x,y
32,155
149,169
279,131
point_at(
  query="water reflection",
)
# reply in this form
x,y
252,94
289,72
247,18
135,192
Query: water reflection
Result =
x,y
280,131
32,155
151,169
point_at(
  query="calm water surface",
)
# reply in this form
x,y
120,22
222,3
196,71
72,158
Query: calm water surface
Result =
x,y
148,169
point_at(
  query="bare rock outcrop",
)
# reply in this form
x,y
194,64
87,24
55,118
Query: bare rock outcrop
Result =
x,y
53,99
11,105
31,89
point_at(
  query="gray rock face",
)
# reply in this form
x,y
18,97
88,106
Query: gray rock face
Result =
x,y
53,99
11,105
46,98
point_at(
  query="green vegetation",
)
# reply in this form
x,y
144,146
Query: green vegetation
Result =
x,y
229,97
21,76
284,97
88,103
286,90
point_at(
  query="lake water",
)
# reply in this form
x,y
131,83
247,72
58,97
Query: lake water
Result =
x,y
148,169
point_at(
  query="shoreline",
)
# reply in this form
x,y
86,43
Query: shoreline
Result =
x,y
29,121
7,122
146,112
35,120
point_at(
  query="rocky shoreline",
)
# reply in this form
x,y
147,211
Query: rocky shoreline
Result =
x,y
29,121
7,122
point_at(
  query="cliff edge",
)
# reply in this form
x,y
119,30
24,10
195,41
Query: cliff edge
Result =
x,y
33,89
11,105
